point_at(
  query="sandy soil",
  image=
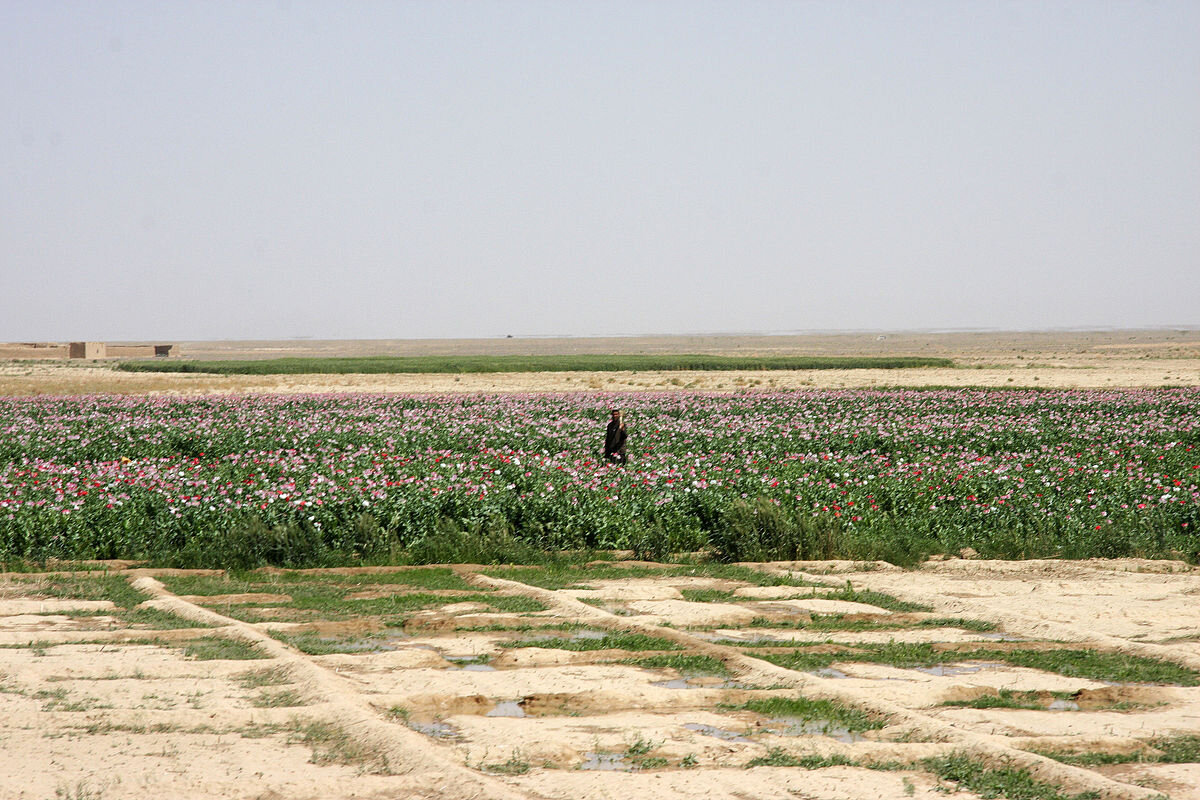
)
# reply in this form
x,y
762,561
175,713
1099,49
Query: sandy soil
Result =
x,y
1049,359
446,710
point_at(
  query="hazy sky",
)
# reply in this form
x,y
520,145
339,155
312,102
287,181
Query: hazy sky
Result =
x,y
190,170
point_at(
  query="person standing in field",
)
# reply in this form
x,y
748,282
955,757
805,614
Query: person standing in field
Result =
x,y
614,440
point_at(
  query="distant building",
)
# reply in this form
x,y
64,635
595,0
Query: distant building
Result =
x,y
162,350
86,350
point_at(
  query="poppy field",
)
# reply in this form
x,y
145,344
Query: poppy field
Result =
x,y
336,479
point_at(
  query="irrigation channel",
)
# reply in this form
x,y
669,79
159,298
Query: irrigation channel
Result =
x,y
798,679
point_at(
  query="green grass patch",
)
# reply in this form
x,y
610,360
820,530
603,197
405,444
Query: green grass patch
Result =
x,y
513,604
288,698
1007,698
686,665
145,618
332,744
707,595
877,599
57,700
987,782
515,765
611,641
1178,749
737,572
1089,664
315,644
114,588
583,362
1115,667
778,757
976,625
637,753
329,602
211,648
26,565
333,606
828,622
1162,750
102,727
844,622
282,582
258,678
500,627
570,576
802,708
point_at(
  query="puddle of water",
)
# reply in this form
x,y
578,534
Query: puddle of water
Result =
x,y
828,672
469,663
1063,705
609,762
720,733
795,726
437,730
947,670
393,639
507,708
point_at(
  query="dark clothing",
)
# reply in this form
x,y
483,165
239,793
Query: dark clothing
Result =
x,y
614,442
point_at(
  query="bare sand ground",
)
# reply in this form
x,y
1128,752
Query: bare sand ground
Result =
x,y
1058,359
440,708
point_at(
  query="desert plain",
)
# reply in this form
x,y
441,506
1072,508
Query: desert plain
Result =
x,y
1064,360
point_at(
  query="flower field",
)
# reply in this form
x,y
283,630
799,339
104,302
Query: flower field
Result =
x,y
303,480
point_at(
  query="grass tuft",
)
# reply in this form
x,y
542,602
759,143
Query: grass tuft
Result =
x,y
1184,749
288,698
686,665
611,641
1007,698
877,599
211,648
988,782
778,757
515,765
707,595
574,576
256,679
315,644
802,708
1075,663
332,744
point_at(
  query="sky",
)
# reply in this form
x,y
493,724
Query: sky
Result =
x,y
351,169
